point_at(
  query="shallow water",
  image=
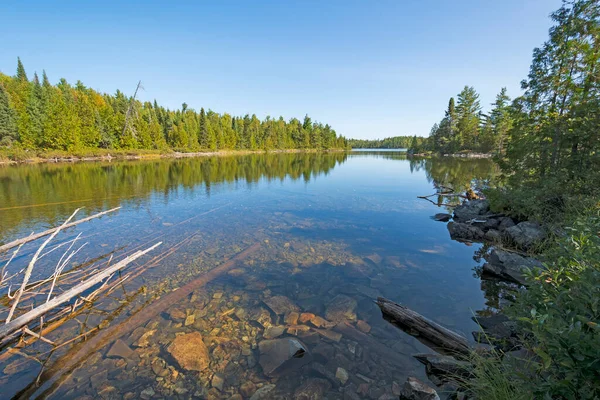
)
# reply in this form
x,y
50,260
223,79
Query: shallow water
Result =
x,y
331,228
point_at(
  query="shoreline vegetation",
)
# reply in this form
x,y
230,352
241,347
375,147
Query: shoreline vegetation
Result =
x,y
7,158
36,115
539,222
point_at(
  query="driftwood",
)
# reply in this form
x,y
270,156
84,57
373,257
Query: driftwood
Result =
x,y
21,321
36,236
441,338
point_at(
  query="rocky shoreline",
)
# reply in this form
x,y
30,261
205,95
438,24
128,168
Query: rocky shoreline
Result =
x,y
508,258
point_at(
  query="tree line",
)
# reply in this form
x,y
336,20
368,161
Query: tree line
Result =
x,y
35,114
395,142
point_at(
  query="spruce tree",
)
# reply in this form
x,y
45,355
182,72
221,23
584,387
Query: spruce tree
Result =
x,y
21,75
203,130
8,124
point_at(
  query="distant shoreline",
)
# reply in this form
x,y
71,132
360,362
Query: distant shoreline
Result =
x,y
121,155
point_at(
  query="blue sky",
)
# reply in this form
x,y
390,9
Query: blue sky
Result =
x,y
371,69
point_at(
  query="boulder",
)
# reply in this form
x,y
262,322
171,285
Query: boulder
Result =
x,y
471,210
525,235
465,232
493,236
282,355
444,366
190,352
414,389
442,217
509,266
312,389
341,308
505,223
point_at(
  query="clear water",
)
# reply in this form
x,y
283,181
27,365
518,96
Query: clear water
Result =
x,y
327,225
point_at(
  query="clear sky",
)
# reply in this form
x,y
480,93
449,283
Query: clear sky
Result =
x,y
371,69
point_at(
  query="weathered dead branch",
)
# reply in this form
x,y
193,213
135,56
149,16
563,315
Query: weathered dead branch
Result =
x,y
36,236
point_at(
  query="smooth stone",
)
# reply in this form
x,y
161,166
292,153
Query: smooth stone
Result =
x,y
120,350
341,308
280,355
471,210
464,231
217,382
273,331
363,326
525,234
281,305
248,388
190,352
147,393
144,340
292,318
342,375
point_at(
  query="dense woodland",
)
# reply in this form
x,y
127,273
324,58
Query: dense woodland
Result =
x,y
35,114
396,142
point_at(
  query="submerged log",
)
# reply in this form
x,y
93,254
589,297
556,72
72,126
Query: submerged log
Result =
x,y
53,377
441,338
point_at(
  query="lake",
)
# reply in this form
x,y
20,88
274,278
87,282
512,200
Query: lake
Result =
x,y
327,233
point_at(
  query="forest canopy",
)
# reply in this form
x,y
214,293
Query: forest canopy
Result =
x,y
395,142
34,114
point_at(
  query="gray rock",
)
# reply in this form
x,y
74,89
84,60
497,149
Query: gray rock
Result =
x,y
493,236
442,217
505,223
263,393
471,210
466,232
312,389
147,393
444,366
341,308
323,371
217,382
282,355
281,305
273,331
509,266
342,375
525,235
120,350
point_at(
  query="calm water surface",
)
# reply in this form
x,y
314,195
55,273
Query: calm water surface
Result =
x,y
334,232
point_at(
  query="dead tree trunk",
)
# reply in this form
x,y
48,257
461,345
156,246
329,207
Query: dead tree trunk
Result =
x,y
442,338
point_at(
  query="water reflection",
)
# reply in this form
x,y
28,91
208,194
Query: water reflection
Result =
x,y
334,231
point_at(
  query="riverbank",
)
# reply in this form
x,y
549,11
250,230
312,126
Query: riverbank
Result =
x,y
34,157
458,155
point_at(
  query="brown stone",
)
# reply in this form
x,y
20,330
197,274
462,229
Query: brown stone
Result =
x,y
190,352
363,326
120,350
305,317
292,318
281,305
247,389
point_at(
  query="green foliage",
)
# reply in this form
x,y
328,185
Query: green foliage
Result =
x,y
396,142
8,125
36,115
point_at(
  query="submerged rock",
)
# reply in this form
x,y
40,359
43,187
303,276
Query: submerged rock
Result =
x,y
414,389
312,389
282,355
281,305
509,266
263,393
190,352
341,308
342,375
120,350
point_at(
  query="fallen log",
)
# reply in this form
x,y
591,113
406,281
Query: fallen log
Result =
x,y
19,322
36,236
443,339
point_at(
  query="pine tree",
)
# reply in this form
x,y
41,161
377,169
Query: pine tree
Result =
x,y
8,125
21,75
501,119
203,130
467,111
